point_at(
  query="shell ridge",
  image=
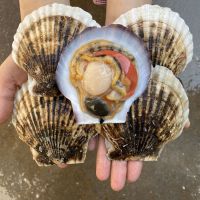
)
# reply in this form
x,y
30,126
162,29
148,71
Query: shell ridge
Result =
x,y
35,36
156,14
157,118
41,117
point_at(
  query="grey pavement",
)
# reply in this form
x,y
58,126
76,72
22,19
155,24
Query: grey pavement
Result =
x,y
176,176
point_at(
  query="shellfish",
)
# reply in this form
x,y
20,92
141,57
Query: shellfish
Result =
x,y
48,126
101,74
41,38
165,33
155,118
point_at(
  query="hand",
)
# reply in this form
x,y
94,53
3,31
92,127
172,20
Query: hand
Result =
x,y
11,79
121,171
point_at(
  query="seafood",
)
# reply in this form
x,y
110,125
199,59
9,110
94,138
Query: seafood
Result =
x,y
41,38
48,125
102,75
155,118
165,33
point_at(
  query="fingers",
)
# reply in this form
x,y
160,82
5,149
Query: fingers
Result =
x,y
187,124
6,109
11,74
120,170
92,143
11,78
118,175
7,92
62,165
102,162
134,170
114,10
26,7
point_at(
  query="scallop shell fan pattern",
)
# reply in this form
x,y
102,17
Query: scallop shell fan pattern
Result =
x,y
48,126
165,33
154,119
41,38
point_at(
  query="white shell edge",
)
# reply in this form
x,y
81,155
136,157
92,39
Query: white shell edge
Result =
x,y
155,13
166,76
68,90
19,95
50,10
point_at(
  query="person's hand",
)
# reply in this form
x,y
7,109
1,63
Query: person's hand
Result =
x,y
118,171
11,78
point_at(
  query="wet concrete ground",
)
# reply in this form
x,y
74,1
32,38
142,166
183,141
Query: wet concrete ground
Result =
x,y
176,176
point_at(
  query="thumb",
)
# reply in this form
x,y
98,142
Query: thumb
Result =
x,y
11,78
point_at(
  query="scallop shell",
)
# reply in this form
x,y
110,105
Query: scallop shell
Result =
x,y
165,33
93,40
155,119
48,126
41,38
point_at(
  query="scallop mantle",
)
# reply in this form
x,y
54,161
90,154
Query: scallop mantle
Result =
x,y
116,34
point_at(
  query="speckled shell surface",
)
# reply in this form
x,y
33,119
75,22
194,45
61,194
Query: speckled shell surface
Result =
x,y
40,39
165,33
155,119
48,126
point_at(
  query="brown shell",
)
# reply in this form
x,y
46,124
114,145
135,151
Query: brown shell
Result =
x,y
154,119
48,126
40,39
175,53
166,35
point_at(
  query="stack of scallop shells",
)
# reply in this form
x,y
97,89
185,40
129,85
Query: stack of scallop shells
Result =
x,y
42,116
47,121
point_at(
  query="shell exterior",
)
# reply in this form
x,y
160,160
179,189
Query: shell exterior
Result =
x,y
104,38
165,33
156,118
48,126
40,39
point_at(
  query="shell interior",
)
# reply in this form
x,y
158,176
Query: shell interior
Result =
x,y
93,40
48,124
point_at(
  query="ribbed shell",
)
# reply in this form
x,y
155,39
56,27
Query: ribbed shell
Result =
x,y
165,33
48,126
41,38
155,119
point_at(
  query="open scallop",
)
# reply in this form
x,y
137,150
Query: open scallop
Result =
x,y
101,74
